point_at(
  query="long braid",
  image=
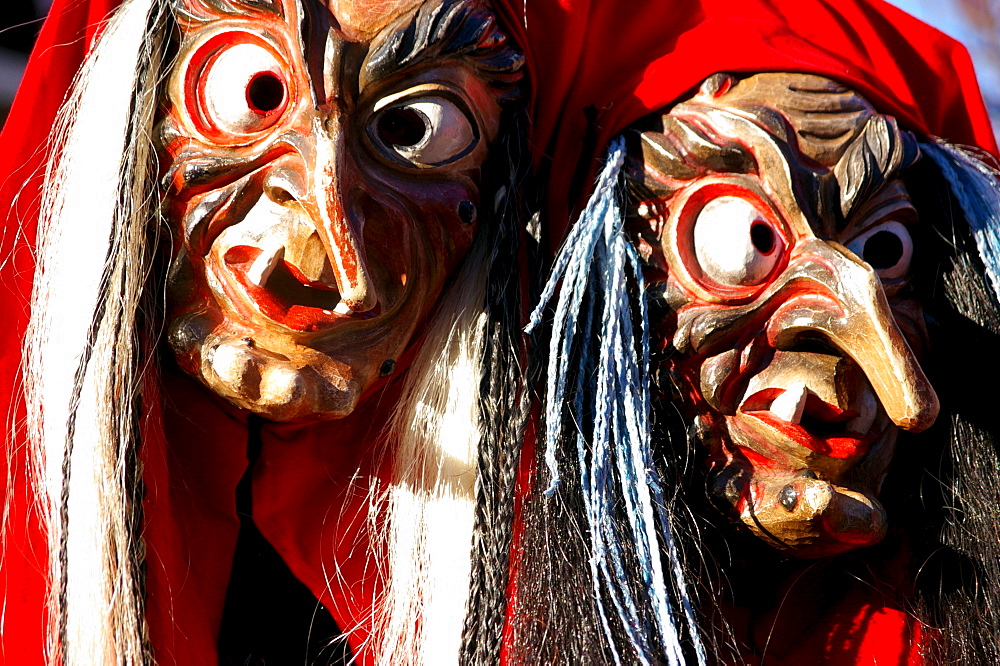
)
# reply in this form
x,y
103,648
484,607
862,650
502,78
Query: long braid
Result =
x,y
503,410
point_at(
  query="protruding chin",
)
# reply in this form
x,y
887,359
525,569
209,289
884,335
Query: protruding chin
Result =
x,y
263,381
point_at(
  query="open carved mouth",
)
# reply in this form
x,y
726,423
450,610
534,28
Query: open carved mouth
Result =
x,y
800,416
797,407
281,292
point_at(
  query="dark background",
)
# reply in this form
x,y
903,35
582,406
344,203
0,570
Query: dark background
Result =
x,y
19,24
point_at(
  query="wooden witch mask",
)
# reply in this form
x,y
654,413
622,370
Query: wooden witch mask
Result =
x,y
774,222
323,165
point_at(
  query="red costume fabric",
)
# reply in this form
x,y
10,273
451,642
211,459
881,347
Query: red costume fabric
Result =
x,y
624,63
596,66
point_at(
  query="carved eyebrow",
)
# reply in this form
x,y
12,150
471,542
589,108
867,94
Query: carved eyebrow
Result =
x,y
877,154
677,150
455,29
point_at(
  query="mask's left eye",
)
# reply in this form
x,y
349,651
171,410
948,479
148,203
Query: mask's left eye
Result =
x,y
241,89
426,131
887,247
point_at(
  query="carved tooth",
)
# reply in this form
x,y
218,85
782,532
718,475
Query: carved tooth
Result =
x,y
342,308
866,405
789,405
310,257
262,266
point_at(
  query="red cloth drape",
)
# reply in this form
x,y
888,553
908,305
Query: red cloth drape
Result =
x,y
625,61
622,60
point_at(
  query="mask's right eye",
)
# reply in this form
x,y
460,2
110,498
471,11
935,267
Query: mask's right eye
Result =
x,y
887,247
236,88
734,243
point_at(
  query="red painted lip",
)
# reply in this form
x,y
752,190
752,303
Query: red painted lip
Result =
x,y
282,307
819,432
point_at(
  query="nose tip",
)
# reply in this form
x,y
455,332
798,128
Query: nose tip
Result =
x,y
357,296
842,300
340,225
341,229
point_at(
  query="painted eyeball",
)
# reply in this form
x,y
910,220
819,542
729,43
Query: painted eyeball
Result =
x,y
887,248
734,242
243,89
426,131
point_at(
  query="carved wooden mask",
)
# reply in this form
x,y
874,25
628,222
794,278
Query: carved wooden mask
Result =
x,y
322,162
774,223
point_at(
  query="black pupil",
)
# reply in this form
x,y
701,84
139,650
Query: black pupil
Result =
x,y
266,92
883,250
762,237
402,127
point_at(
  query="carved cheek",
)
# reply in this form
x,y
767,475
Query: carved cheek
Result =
x,y
418,232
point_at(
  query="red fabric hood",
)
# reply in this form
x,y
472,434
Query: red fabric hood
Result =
x,y
626,61
623,60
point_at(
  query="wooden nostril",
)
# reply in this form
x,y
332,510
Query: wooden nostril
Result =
x,y
283,185
278,194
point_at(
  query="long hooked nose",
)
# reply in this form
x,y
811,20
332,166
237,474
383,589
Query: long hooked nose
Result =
x,y
338,225
850,309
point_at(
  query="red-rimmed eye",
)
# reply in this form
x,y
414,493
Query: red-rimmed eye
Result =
x,y
734,243
241,89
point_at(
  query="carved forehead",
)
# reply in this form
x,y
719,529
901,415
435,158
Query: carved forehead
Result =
x,y
834,146
824,117
361,20
357,20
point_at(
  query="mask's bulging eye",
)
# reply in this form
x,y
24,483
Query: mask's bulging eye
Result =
x,y
265,93
243,89
734,242
426,131
402,127
887,247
